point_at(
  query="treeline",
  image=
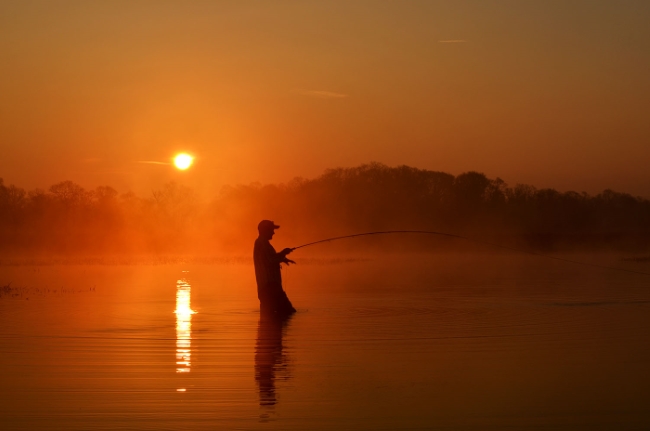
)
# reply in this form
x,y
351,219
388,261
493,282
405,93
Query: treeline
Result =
x,y
378,197
68,218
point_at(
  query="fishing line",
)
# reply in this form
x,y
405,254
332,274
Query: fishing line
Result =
x,y
491,244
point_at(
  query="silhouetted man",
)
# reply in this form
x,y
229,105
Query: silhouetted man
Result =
x,y
272,297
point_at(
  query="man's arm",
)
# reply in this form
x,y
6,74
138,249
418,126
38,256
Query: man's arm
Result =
x,y
282,256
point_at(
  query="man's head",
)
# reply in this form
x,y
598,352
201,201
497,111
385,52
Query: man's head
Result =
x,y
267,228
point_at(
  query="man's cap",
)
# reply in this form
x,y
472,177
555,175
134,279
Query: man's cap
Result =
x,y
267,225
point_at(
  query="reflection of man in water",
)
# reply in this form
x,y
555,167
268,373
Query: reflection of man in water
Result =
x,y
272,297
271,363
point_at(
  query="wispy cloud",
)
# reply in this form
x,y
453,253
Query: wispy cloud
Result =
x,y
321,94
453,41
150,162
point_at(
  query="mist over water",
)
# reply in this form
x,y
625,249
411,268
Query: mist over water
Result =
x,y
428,341
68,219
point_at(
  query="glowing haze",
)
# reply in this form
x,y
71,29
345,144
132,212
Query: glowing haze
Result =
x,y
550,93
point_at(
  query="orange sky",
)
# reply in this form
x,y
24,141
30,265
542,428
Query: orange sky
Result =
x,y
550,93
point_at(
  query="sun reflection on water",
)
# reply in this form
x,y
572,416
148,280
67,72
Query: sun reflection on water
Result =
x,y
183,326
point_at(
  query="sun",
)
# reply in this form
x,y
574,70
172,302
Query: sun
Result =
x,y
183,161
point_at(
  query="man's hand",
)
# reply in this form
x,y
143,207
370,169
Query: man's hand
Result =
x,y
283,256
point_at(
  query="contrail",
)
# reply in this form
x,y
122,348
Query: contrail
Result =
x,y
150,162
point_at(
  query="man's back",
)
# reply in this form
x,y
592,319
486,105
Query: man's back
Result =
x,y
267,265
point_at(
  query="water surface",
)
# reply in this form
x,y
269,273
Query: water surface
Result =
x,y
434,342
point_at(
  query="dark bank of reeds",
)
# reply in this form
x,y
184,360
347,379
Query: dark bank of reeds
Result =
x,y
638,259
70,219
24,292
6,290
121,260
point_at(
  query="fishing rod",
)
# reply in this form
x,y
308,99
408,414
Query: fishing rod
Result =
x,y
478,241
